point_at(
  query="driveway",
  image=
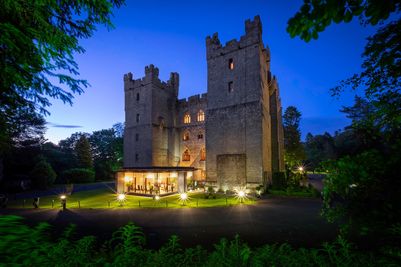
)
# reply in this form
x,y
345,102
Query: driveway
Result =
x,y
274,220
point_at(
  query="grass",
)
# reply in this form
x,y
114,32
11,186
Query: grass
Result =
x,y
106,198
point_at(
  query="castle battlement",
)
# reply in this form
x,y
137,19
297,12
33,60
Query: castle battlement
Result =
x,y
200,99
253,35
152,76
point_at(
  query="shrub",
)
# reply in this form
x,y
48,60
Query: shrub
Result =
x,y
43,174
279,180
79,175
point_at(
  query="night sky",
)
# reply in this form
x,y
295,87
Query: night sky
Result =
x,y
171,35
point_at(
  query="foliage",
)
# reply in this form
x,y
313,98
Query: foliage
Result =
x,y
314,16
83,152
38,41
364,191
294,151
279,180
43,174
34,246
60,159
79,175
362,188
106,148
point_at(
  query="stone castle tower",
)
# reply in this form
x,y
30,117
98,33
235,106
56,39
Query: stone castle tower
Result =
x,y
230,137
243,127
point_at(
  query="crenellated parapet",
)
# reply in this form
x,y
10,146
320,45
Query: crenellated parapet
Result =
x,y
152,77
195,100
253,35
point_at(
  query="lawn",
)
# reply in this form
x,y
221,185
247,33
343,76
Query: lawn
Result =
x,y
106,198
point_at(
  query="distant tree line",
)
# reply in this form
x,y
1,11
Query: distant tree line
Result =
x,y
82,157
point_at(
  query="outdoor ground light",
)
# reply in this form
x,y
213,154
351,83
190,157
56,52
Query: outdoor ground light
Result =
x,y
300,168
241,195
157,198
184,196
121,198
63,199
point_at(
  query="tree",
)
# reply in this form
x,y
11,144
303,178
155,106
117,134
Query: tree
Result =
x,y
319,148
294,152
83,152
43,174
363,189
38,40
106,150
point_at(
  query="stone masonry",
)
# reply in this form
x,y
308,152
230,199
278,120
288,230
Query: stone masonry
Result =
x,y
232,135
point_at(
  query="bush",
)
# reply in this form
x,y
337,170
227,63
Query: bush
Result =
x,y
43,175
79,175
19,247
279,180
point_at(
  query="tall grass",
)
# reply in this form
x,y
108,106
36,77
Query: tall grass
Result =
x,y
22,245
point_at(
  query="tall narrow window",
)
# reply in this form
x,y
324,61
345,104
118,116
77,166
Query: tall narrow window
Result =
x,y
203,154
137,96
231,64
185,137
200,135
136,157
137,117
186,156
230,87
136,137
201,115
187,118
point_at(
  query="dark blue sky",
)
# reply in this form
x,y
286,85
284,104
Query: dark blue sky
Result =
x,y
171,35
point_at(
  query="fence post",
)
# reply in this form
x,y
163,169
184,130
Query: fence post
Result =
x,y
166,204
52,203
23,203
139,203
79,204
226,201
197,202
108,203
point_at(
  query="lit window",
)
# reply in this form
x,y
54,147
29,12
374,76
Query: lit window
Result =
x,y
137,117
203,154
185,137
230,87
137,96
186,156
201,115
231,64
187,118
200,135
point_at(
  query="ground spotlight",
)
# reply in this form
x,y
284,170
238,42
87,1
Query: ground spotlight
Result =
x,y
157,197
183,196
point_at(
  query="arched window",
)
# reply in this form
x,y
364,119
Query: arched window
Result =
x,y
185,137
186,156
201,115
231,64
187,118
203,154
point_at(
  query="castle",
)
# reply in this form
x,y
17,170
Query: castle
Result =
x,y
228,138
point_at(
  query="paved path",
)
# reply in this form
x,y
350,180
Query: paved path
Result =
x,y
293,220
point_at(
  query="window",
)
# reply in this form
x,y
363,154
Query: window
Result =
x,y
137,117
136,157
200,135
231,64
136,137
203,154
187,118
230,87
137,96
185,137
186,156
201,115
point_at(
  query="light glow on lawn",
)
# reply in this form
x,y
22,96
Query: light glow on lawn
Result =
x,y
183,196
157,198
121,197
63,197
301,168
